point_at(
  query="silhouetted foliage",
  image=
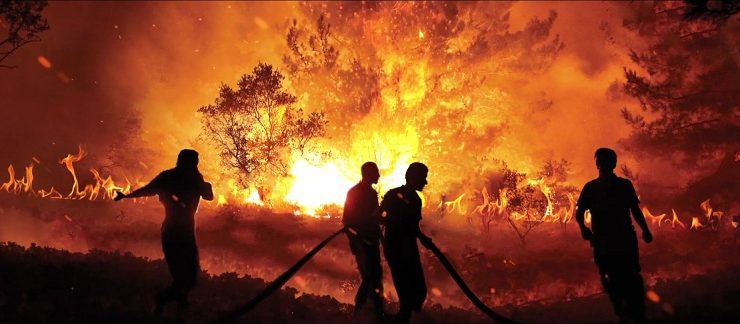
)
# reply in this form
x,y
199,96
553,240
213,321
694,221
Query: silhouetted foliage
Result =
x,y
22,22
256,126
525,202
42,285
718,11
689,90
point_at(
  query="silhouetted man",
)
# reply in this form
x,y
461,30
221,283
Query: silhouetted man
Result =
x,y
400,213
610,199
179,189
364,237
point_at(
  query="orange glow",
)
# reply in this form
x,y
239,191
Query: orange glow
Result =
x,y
436,292
248,195
316,186
652,296
44,62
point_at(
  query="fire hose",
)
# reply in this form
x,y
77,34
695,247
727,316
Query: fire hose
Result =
x,y
279,282
283,278
463,286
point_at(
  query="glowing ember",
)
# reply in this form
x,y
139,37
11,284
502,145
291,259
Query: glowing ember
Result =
x,y
436,292
44,62
653,296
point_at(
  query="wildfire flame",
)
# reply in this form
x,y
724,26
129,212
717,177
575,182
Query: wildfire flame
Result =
x,y
695,224
675,221
90,191
316,186
655,220
16,186
456,204
248,195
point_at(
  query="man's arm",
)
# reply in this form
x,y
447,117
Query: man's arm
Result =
x,y
381,213
150,189
581,219
207,191
640,220
580,215
634,205
348,212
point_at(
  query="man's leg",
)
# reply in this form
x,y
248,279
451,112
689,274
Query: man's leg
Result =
x,y
634,285
417,277
167,295
375,276
635,297
399,273
356,245
610,281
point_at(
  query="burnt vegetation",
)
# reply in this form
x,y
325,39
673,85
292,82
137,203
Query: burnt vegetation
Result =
x,y
22,23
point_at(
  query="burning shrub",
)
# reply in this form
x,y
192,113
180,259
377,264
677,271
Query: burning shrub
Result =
x,y
256,127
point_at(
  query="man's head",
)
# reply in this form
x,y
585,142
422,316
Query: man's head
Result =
x,y
416,176
370,172
187,159
606,159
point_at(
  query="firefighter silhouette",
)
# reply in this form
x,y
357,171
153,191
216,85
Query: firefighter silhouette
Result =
x,y
400,214
610,199
179,189
364,237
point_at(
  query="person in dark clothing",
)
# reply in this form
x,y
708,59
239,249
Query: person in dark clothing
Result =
x,y
610,199
179,189
364,237
400,214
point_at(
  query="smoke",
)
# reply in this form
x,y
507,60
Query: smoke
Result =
x,y
125,79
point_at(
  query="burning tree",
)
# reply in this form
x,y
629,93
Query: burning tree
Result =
x,y
524,202
23,22
418,81
256,126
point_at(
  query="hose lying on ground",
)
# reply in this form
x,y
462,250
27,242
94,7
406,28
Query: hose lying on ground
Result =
x,y
461,283
279,282
283,278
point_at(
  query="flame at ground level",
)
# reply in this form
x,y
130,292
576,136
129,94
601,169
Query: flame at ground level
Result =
x,y
313,187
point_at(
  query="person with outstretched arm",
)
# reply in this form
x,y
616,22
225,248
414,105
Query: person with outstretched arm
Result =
x,y
180,190
610,200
